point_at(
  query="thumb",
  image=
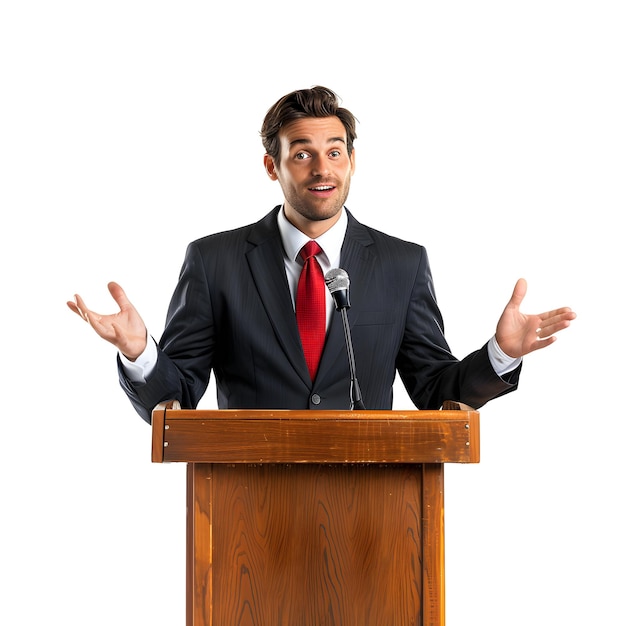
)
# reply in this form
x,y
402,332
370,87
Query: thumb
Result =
x,y
519,292
119,295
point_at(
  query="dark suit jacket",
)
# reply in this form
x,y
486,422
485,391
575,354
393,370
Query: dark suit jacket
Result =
x,y
232,313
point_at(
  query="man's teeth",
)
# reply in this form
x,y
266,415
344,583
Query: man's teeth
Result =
x,y
323,188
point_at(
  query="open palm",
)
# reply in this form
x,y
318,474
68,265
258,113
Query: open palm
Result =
x,y
519,333
124,329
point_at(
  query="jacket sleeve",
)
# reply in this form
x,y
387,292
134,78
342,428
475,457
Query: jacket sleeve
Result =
x,y
186,348
430,372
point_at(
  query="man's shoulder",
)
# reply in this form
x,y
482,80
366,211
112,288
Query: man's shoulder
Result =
x,y
375,236
257,231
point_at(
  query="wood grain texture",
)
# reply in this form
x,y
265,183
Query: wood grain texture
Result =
x,y
310,545
304,518
316,437
433,548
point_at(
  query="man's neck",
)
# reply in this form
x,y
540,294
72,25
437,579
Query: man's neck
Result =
x,y
311,228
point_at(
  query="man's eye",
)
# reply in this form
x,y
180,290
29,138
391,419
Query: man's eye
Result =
x,y
302,155
335,154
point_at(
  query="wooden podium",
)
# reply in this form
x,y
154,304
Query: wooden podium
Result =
x,y
312,518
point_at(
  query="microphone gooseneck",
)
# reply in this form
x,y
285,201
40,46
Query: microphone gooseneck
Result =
x,y
338,283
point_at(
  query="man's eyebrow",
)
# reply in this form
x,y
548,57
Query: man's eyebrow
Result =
x,y
296,142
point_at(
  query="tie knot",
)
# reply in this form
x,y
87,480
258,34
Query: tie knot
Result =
x,y
310,249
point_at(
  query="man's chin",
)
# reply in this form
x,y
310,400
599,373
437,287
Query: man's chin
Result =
x,y
300,215
320,214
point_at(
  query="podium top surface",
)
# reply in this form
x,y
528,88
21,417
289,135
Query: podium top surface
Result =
x,y
283,436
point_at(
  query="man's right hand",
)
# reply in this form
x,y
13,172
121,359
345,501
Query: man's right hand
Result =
x,y
125,330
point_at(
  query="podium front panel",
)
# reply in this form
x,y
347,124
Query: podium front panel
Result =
x,y
315,544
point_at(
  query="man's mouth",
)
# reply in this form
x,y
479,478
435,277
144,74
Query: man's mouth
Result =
x,y
321,188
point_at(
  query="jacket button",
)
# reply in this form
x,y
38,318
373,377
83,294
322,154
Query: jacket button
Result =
x,y
315,399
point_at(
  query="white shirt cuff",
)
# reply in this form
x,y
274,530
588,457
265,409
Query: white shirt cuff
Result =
x,y
502,363
139,369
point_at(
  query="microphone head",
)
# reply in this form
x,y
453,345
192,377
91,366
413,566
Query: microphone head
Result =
x,y
338,283
337,279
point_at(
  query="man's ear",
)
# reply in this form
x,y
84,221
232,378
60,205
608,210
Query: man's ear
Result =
x,y
270,166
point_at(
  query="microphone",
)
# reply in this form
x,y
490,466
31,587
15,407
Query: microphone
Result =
x,y
338,283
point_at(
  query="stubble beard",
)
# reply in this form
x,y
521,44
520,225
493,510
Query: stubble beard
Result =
x,y
310,211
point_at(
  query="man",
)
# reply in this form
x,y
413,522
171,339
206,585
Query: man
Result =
x,y
234,308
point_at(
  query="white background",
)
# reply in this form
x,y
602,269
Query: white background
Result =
x,y
491,132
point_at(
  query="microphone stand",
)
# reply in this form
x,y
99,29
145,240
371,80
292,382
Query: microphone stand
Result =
x,y
355,391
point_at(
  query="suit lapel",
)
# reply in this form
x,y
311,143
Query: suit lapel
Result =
x,y
357,259
266,262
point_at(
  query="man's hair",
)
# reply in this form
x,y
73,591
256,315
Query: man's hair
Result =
x,y
315,102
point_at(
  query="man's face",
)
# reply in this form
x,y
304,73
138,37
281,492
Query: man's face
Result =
x,y
314,172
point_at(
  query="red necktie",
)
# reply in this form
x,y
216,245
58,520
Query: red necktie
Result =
x,y
311,307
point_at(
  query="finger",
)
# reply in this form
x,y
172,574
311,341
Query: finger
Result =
x,y
91,317
519,292
546,330
72,306
557,319
119,295
78,306
542,343
563,313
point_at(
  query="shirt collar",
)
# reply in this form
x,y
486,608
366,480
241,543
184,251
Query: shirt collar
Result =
x,y
330,242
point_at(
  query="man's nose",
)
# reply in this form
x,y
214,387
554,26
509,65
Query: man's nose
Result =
x,y
321,166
